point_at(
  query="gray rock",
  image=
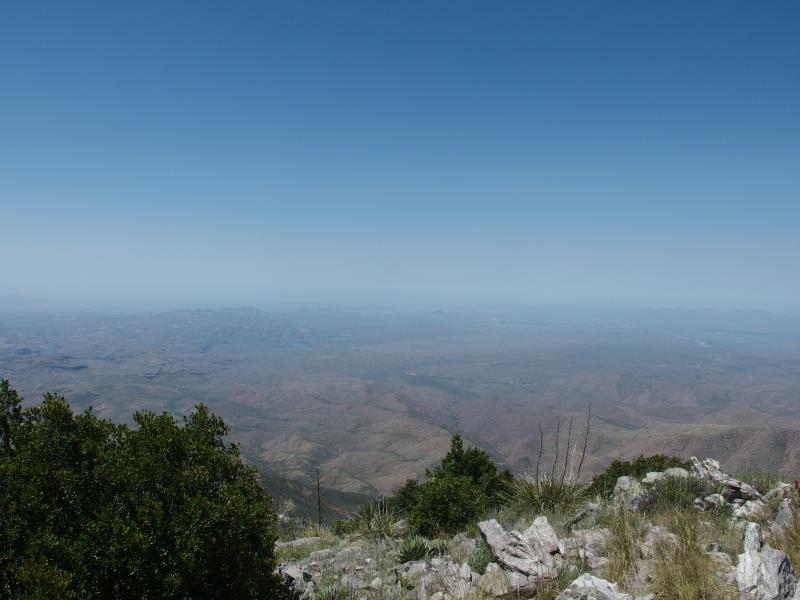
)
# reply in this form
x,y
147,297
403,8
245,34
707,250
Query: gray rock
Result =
x,y
587,509
588,586
588,544
785,516
295,582
413,568
517,582
494,581
710,470
542,537
763,573
781,490
628,492
714,502
749,509
457,579
652,536
652,477
516,554
676,472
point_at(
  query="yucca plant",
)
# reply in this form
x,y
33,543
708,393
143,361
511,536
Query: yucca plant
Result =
x,y
529,495
375,520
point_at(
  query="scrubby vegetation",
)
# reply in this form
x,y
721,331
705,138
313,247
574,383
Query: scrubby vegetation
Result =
x,y
603,483
93,509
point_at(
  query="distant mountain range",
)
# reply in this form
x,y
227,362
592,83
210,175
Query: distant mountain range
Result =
x,y
371,399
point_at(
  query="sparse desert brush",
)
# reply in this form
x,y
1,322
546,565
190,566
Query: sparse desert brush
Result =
x,y
682,570
531,496
623,545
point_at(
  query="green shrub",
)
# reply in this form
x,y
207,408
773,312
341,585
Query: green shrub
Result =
x,y
446,505
603,483
92,509
530,497
477,466
405,498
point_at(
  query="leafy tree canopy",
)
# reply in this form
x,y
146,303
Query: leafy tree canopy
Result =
x,y
94,509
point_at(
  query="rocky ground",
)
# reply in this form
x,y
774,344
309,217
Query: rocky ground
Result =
x,y
646,541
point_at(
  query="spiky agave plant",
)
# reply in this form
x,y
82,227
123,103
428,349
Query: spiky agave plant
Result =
x,y
414,547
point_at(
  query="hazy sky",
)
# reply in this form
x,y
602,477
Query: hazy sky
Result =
x,y
242,152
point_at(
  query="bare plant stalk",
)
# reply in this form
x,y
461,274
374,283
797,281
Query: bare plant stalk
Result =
x,y
541,446
585,439
558,435
566,454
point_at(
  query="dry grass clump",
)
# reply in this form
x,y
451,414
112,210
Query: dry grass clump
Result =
x,y
623,546
683,570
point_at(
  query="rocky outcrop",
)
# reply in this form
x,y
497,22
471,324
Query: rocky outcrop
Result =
x,y
628,493
588,586
523,553
763,573
295,583
710,470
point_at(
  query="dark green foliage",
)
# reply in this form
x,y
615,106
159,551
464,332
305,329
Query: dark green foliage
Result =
x,y
476,465
603,483
405,498
446,505
463,485
92,509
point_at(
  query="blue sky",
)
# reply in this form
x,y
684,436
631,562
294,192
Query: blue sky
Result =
x,y
601,153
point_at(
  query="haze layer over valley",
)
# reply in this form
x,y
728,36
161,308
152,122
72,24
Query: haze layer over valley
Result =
x,y
371,398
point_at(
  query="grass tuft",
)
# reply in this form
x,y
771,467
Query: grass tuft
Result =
x,y
683,571
623,546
